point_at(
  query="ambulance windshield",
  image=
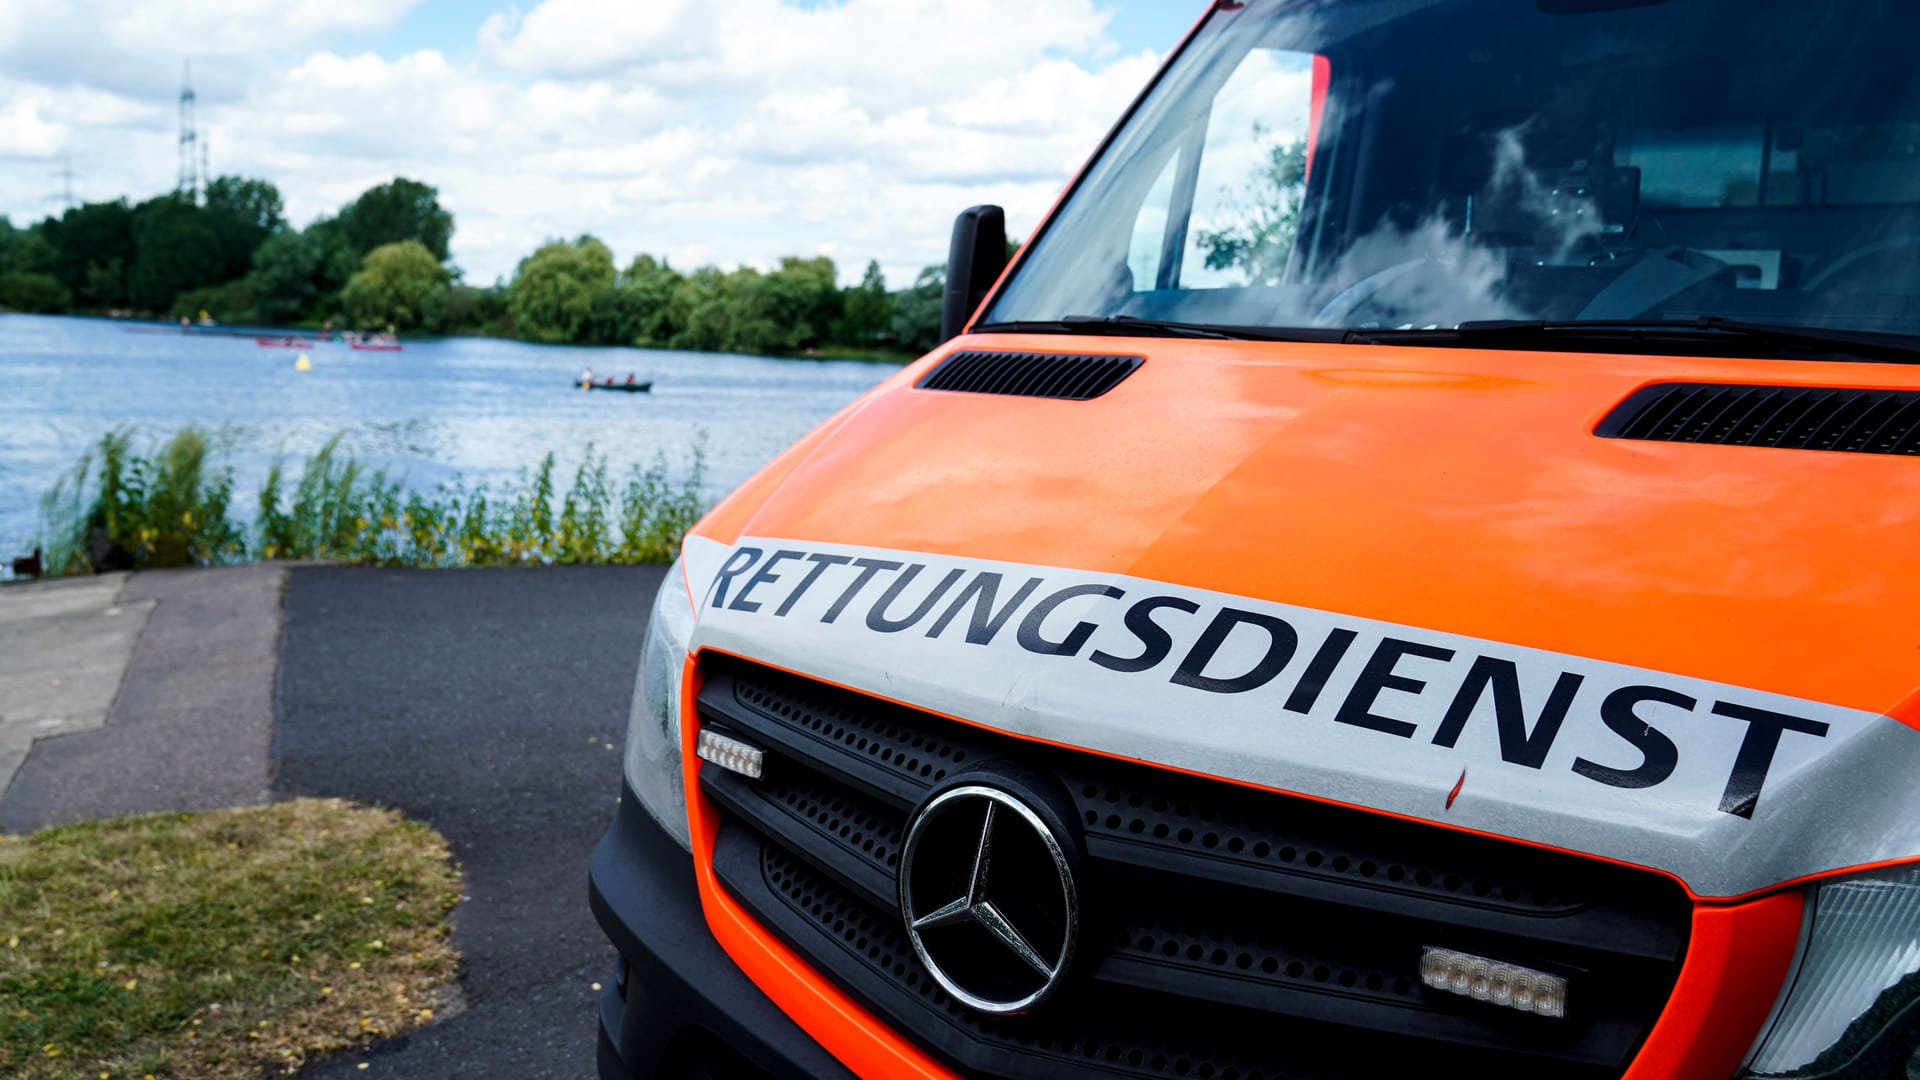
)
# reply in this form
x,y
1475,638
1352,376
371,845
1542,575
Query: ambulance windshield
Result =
x,y
1381,164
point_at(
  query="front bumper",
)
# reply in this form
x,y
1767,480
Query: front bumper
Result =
x,y
679,1006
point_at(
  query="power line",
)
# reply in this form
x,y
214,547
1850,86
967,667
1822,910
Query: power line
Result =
x,y
65,195
190,181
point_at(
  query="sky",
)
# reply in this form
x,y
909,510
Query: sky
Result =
x,y
708,131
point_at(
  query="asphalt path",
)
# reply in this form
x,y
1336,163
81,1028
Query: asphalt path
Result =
x,y
491,704
191,718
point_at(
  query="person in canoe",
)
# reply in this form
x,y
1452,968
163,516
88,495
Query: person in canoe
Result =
x,y
586,377
629,378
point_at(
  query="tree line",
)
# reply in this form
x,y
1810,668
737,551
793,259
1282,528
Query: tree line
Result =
x,y
382,263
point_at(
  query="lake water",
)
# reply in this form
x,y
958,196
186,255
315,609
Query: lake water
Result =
x,y
477,407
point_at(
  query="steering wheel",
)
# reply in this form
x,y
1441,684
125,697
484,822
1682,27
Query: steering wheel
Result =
x,y
1403,293
1865,265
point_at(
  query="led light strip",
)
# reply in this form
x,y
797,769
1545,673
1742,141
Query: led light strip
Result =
x,y
1481,979
731,754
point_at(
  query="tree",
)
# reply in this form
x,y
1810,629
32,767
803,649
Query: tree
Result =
x,y
252,203
801,301
741,310
744,310
645,302
1260,243
338,259
89,241
401,209
916,311
865,316
37,293
33,253
394,286
554,289
243,214
286,276
705,306
174,249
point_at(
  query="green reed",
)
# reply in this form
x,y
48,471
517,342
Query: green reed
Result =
x,y
171,506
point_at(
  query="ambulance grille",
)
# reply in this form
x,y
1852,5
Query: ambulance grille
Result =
x,y
1072,376
1847,419
1228,931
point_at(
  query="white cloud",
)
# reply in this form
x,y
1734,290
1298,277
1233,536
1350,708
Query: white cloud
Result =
x,y
582,37
728,132
25,131
224,27
912,51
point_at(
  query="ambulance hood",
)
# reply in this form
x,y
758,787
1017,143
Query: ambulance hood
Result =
x,y
1412,580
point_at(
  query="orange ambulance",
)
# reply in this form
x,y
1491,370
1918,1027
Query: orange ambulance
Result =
x,y
1409,573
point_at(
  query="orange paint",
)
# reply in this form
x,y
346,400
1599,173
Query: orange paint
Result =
x,y
839,1024
1736,964
1308,475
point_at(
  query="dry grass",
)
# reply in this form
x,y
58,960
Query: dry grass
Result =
x,y
235,943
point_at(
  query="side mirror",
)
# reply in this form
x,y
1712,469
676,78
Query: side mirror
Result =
x,y
974,262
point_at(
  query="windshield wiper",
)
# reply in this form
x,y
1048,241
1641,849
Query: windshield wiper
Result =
x,y
1520,333
1115,325
1130,326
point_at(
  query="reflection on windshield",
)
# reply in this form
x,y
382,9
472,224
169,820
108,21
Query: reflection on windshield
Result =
x,y
1423,163
1262,222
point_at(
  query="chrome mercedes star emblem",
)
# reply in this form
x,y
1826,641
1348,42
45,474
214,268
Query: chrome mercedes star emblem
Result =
x,y
989,898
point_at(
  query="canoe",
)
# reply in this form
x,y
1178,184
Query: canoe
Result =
x,y
635,388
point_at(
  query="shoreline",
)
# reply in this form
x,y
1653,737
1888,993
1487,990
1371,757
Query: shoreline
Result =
x,y
831,352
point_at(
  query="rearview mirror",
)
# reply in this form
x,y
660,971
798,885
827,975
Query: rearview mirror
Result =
x,y
974,261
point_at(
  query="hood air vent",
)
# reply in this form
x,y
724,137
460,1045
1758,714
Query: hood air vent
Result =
x,y
1791,417
1073,376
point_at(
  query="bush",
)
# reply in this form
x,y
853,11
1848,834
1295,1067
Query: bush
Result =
x,y
453,308
120,509
40,294
229,303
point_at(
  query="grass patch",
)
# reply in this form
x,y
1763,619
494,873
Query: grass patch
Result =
x,y
171,505
233,943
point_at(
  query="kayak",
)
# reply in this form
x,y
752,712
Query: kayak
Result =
x,y
631,388
282,343
364,347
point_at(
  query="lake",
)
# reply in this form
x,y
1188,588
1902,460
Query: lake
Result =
x,y
477,407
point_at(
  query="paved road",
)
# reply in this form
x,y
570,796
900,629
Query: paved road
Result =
x,y
492,705
64,646
142,693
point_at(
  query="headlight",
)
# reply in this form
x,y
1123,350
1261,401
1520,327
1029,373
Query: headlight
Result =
x,y
653,731
1856,980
